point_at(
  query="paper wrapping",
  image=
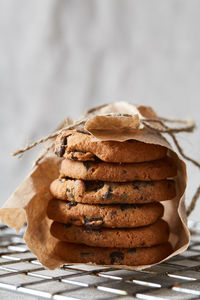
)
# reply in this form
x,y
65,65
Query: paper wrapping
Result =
x,y
30,199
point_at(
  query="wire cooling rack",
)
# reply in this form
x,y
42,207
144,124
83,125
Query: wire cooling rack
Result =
x,y
21,272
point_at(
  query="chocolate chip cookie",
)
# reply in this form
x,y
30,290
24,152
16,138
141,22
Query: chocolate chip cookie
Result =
x,y
146,236
144,171
113,216
75,253
83,147
99,192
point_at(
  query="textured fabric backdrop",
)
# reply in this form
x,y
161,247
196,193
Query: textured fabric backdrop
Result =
x,y
58,58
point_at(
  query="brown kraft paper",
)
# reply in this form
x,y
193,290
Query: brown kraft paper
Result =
x,y
29,201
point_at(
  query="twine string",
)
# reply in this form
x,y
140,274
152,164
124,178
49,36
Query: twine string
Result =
x,y
82,121
171,132
168,130
155,124
190,125
193,201
50,136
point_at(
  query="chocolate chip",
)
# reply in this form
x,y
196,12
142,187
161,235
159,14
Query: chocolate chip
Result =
x,y
67,225
64,141
108,194
96,158
93,185
132,250
136,186
61,179
60,151
87,165
128,206
71,204
94,222
116,257
69,194
124,206
110,189
73,157
143,184
142,198
124,171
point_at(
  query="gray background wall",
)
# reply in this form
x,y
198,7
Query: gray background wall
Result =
x,y
58,58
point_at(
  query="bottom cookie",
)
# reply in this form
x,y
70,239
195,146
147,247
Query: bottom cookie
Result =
x,y
71,253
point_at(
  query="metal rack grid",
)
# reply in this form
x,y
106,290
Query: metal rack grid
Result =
x,y
21,272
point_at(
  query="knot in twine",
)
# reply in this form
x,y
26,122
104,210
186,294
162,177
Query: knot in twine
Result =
x,y
157,125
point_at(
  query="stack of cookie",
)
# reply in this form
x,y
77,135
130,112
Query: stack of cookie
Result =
x,y
106,207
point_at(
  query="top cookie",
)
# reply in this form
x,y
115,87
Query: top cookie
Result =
x,y
75,253
81,146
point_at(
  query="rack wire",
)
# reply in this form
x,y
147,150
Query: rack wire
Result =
x,y
21,272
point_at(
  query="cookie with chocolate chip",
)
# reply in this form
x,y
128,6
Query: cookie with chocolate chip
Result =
x,y
84,147
145,236
99,215
99,192
144,171
75,253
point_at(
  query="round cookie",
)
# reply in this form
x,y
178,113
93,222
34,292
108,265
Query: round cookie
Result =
x,y
146,171
73,253
113,216
98,192
146,236
83,146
